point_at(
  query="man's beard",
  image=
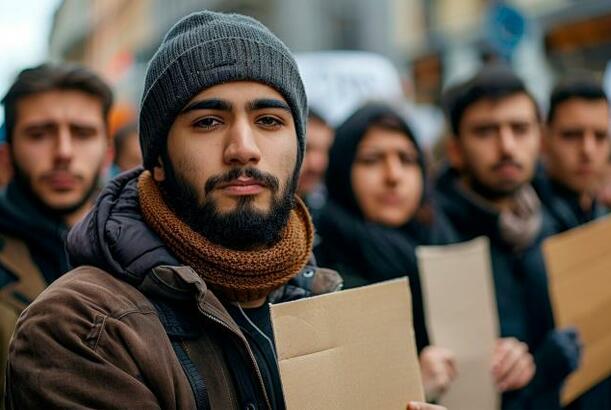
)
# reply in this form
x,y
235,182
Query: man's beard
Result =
x,y
24,181
243,228
492,193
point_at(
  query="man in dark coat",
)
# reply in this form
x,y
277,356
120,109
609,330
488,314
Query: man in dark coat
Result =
x,y
496,135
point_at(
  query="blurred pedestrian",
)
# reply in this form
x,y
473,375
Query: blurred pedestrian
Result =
x,y
496,129
58,146
127,149
319,137
369,225
576,149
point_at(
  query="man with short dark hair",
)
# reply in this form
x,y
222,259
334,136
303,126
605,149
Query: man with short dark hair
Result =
x,y
495,124
57,146
575,149
177,263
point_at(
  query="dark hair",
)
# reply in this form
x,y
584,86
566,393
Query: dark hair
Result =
x,y
49,77
121,135
493,82
583,87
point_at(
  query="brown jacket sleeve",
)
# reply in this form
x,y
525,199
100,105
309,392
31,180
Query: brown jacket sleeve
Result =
x,y
95,345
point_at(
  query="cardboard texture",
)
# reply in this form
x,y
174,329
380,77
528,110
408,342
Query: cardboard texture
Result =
x,y
461,314
579,275
353,349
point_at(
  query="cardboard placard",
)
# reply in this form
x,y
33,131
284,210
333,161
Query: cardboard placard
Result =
x,y
461,316
353,349
579,275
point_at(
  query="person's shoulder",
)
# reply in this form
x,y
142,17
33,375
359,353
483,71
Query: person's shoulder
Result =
x,y
89,292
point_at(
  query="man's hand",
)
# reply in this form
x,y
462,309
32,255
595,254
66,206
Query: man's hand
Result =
x,y
416,405
438,367
512,364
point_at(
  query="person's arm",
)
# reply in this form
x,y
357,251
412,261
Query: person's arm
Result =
x,y
66,355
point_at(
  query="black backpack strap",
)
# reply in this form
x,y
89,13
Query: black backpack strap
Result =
x,y
177,334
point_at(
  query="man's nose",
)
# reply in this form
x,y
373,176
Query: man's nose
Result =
x,y
241,148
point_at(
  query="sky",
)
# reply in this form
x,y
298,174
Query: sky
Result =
x,y
24,32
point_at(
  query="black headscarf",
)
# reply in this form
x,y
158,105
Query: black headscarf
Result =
x,y
362,251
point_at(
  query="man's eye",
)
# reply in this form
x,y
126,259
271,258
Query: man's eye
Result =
x,y
207,123
270,122
37,135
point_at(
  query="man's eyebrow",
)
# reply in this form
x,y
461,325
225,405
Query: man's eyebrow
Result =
x,y
267,103
210,104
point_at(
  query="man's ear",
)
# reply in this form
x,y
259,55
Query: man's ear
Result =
x,y
159,171
454,152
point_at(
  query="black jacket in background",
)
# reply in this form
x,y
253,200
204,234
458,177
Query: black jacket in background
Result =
x,y
562,208
520,283
43,235
563,212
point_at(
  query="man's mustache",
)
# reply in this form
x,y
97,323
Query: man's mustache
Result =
x,y
507,161
264,178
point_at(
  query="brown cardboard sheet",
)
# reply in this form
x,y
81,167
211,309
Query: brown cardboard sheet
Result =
x,y
579,274
352,349
461,315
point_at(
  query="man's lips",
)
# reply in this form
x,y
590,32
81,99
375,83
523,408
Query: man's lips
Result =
x,y
61,181
242,186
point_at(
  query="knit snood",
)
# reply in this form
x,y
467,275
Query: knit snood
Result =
x,y
237,275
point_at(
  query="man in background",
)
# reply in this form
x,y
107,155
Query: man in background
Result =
x,y
575,153
493,151
57,145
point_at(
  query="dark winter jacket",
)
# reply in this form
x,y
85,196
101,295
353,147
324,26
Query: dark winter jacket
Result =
x,y
520,283
32,255
562,204
563,212
131,327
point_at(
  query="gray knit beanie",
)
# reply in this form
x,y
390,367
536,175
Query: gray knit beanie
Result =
x,y
205,49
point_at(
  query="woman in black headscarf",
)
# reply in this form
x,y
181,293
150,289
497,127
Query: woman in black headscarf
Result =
x,y
377,213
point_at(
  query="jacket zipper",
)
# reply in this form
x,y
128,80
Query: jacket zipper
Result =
x,y
253,362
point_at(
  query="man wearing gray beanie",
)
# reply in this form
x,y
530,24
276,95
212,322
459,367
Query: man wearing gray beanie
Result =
x,y
175,267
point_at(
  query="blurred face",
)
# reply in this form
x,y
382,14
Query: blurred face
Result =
x,y
386,177
497,146
318,141
231,159
130,156
576,145
59,148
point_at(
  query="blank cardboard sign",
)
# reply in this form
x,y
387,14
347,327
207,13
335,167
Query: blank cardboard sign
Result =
x,y
352,349
579,274
462,316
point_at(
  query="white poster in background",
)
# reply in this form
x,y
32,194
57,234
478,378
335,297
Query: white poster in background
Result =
x,y
338,82
461,316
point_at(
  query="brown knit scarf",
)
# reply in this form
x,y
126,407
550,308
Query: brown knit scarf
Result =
x,y
240,276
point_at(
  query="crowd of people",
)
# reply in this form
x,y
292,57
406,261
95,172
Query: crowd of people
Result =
x,y
153,290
